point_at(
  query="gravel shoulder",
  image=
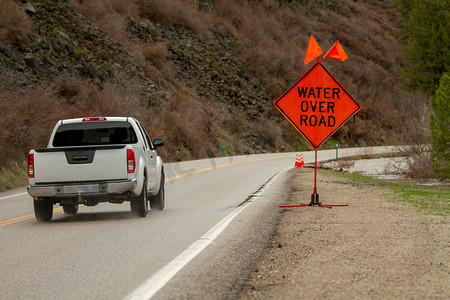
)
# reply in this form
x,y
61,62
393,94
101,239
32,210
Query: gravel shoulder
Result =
x,y
376,248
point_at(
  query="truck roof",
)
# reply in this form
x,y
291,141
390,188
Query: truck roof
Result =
x,y
94,119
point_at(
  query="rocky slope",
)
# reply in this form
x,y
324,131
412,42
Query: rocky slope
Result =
x,y
197,90
66,44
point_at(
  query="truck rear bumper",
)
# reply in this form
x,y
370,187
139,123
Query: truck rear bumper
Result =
x,y
70,190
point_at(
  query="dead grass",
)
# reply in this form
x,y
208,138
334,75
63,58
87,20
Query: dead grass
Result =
x,y
15,25
273,42
152,57
273,49
157,64
176,12
189,126
27,123
108,16
418,153
97,9
12,175
346,163
30,115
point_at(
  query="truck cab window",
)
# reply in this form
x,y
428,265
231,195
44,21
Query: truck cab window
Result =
x,y
95,133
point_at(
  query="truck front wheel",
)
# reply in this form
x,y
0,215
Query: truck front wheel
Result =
x,y
43,210
139,204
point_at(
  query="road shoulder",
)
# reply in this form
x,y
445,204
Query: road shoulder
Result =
x,y
374,248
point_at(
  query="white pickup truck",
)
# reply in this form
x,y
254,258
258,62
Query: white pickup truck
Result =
x,y
93,160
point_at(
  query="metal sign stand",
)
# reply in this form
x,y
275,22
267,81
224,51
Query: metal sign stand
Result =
x,y
315,196
296,106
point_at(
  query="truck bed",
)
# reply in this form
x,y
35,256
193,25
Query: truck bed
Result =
x,y
70,164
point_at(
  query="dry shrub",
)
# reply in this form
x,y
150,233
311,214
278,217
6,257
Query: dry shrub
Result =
x,y
30,115
367,153
188,125
108,15
271,48
15,25
128,8
365,30
71,89
388,113
235,124
419,163
270,133
273,44
81,99
157,65
156,53
232,11
275,70
28,119
176,12
346,163
97,9
12,175
115,25
418,152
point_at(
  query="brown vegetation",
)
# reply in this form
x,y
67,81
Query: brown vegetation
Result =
x,y
15,25
183,13
418,153
271,42
108,15
31,114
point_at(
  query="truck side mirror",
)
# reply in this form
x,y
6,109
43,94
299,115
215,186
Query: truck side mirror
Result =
x,y
158,143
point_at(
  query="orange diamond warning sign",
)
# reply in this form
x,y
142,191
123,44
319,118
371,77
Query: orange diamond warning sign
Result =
x,y
317,105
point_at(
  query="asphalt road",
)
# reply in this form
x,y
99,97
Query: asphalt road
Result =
x,y
218,218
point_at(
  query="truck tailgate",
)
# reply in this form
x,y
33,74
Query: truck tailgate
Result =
x,y
80,164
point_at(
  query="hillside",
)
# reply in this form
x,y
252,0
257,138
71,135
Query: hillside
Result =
x,y
196,77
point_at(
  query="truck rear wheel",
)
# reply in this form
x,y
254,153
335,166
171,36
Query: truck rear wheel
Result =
x,y
70,208
43,210
139,204
158,201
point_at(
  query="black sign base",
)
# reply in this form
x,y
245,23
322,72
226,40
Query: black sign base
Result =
x,y
315,202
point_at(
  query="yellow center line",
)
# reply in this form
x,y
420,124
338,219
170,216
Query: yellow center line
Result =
x,y
27,217
222,166
23,218
3,223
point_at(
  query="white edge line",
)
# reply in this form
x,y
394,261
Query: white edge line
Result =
x,y
12,196
152,285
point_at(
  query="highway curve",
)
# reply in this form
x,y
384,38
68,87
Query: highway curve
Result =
x,y
219,216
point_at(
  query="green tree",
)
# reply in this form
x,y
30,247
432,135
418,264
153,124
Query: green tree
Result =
x,y
427,43
425,34
440,128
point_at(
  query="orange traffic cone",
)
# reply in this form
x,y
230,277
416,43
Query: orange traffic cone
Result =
x,y
299,163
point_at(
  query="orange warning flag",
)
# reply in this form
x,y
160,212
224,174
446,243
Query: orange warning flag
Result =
x,y
336,52
313,50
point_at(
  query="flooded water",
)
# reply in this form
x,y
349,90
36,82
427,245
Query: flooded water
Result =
x,y
380,168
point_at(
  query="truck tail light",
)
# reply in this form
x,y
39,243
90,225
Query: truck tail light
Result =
x,y
30,168
95,119
131,161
